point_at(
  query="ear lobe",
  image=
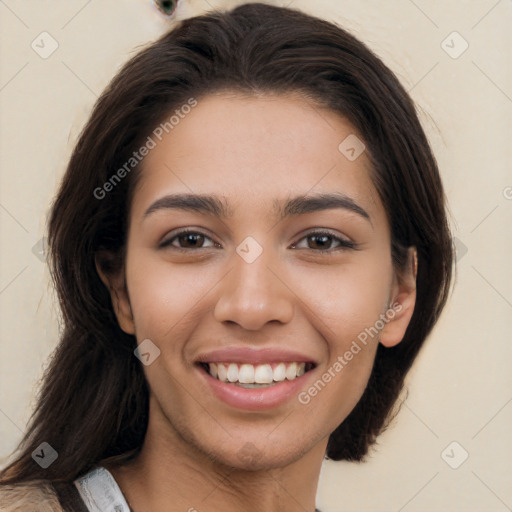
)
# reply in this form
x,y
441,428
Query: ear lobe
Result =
x,y
113,278
402,305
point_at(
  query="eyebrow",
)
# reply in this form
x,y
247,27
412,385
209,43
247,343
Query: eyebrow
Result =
x,y
213,205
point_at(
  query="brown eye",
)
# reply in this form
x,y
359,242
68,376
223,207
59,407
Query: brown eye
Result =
x,y
320,241
166,7
191,240
187,240
324,242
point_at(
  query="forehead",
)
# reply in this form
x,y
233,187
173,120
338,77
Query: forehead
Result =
x,y
256,150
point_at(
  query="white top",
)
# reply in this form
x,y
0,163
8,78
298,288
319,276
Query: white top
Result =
x,y
100,492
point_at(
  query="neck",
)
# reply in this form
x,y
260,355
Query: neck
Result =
x,y
170,476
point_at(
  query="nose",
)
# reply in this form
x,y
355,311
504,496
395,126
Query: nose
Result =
x,y
254,294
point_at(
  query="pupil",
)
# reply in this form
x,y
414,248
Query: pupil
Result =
x,y
324,240
192,239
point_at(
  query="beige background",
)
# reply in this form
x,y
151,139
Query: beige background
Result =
x,y
460,388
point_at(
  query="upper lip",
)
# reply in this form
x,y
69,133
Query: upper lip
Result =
x,y
254,356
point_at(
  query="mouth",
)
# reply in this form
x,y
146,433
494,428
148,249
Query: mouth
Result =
x,y
255,376
254,379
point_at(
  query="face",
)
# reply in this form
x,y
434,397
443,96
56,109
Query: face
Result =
x,y
264,302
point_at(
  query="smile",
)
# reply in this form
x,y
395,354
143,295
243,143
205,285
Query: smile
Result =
x,y
254,379
250,376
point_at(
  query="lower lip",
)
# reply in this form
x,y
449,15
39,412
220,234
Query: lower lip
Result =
x,y
255,399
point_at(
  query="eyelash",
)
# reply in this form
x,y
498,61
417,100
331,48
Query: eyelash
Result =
x,y
343,244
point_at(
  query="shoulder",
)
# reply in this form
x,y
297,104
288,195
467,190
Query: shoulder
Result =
x,y
37,495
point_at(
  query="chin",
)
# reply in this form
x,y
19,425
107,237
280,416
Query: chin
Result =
x,y
251,459
259,454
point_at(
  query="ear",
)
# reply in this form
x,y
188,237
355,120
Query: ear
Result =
x,y
402,302
113,277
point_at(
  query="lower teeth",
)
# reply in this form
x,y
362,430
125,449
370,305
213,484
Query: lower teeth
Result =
x,y
250,386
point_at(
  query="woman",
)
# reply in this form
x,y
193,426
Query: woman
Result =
x,y
250,247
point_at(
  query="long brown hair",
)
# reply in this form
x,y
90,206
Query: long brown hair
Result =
x,y
93,404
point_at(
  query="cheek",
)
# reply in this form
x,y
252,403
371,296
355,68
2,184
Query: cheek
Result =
x,y
345,304
341,299
346,299
338,301
346,320
162,296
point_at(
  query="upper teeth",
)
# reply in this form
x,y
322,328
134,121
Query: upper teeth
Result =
x,y
256,374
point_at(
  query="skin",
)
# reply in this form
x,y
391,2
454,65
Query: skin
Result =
x,y
200,453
